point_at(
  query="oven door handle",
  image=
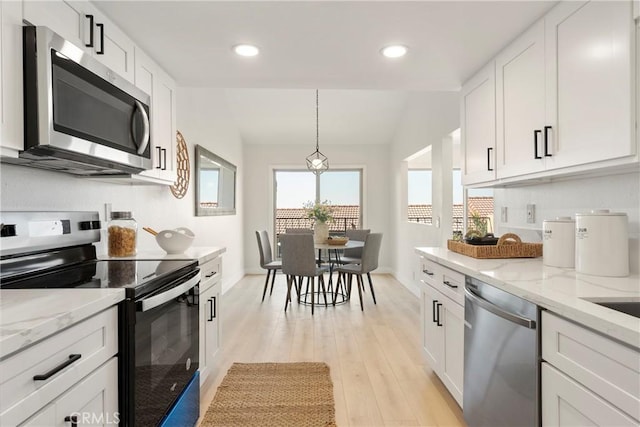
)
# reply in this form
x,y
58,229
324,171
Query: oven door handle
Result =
x,y
156,300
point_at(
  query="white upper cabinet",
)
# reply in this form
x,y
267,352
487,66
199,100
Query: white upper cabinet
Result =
x,y
150,78
520,91
636,9
478,126
84,25
11,114
565,98
590,82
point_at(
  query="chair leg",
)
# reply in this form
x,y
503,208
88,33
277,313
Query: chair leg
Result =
x,y
373,294
286,302
273,279
338,283
313,285
266,284
360,286
324,289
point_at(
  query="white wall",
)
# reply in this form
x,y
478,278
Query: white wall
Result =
x,y
203,118
259,161
619,193
428,119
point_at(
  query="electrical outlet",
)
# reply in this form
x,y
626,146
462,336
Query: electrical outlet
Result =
x,y
503,214
531,214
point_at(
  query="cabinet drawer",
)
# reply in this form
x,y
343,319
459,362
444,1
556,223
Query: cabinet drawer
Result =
x,y
601,364
211,272
429,271
95,340
452,284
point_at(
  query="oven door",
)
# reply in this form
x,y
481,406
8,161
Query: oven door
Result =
x,y
166,348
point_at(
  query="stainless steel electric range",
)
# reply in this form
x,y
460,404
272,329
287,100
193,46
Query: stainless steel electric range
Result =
x,y
158,321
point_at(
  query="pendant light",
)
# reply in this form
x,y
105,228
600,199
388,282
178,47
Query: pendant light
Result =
x,y
316,161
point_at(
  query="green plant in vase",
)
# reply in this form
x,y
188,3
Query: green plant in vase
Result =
x,y
320,213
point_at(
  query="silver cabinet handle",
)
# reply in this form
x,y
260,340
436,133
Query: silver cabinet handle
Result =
x,y
519,320
154,301
146,135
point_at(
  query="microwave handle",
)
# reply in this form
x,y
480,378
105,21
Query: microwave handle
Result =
x,y
145,137
154,301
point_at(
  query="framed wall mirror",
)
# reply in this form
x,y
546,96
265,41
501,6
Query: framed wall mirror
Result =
x,y
215,184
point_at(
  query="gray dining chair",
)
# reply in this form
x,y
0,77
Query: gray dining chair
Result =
x,y
354,255
298,261
266,260
368,263
299,231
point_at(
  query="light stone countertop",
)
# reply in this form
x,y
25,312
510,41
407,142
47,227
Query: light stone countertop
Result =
x,y
201,253
560,290
29,315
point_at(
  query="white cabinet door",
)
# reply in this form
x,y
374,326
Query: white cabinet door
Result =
x,y
478,127
11,115
568,403
63,17
452,316
590,85
211,327
94,400
636,9
520,91
82,24
112,47
431,332
151,79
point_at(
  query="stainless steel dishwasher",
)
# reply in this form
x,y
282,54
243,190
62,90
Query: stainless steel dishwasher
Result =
x,y
501,358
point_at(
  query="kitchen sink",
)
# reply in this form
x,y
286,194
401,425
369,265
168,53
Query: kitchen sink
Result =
x,y
630,306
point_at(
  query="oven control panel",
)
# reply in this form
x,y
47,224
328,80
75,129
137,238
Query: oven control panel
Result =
x,y
24,232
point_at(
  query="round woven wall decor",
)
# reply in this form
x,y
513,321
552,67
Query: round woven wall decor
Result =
x,y
183,169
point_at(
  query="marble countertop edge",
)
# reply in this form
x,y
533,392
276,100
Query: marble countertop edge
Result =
x,y
30,315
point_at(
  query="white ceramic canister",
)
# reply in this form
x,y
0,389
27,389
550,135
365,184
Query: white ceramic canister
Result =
x,y
559,242
602,243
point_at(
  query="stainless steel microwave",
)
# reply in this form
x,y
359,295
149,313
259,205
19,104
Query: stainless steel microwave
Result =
x,y
80,117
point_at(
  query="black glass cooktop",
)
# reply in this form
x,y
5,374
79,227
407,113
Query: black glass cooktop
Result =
x,y
131,274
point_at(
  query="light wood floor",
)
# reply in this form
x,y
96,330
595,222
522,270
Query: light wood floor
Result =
x,y
379,377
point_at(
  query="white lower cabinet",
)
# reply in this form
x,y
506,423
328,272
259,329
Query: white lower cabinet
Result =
x,y
71,373
442,322
587,378
93,401
566,402
210,325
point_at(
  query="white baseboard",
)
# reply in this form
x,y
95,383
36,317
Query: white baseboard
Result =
x,y
407,283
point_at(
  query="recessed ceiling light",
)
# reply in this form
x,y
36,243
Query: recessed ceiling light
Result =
x,y
246,50
394,51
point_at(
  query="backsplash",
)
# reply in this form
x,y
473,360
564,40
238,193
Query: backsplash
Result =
x,y
619,193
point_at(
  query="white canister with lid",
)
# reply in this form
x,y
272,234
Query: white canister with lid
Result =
x,y
559,242
602,243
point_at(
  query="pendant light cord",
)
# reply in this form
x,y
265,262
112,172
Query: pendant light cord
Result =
x,y
317,125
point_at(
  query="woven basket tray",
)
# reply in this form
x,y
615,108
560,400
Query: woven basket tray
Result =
x,y
509,246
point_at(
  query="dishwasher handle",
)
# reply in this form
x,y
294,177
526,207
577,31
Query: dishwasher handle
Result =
x,y
514,318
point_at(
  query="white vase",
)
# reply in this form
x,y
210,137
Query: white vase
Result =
x,y
320,232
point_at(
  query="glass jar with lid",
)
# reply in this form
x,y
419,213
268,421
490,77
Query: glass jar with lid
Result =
x,y
122,234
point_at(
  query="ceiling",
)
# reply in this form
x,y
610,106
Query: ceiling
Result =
x,y
330,45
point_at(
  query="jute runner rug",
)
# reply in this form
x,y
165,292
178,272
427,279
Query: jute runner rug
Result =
x,y
273,394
